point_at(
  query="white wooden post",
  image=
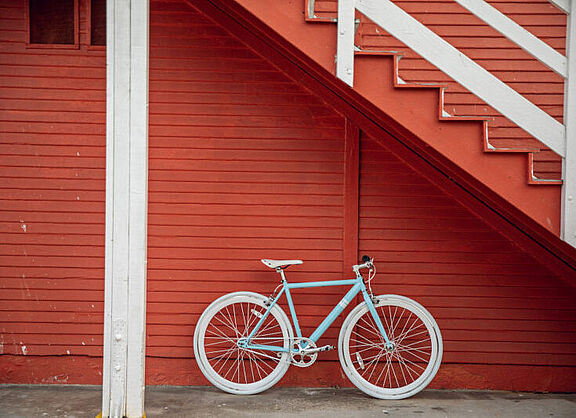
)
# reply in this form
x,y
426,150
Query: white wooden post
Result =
x,y
345,48
569,162
126,207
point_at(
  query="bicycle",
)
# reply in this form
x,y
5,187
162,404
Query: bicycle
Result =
x,y
389,346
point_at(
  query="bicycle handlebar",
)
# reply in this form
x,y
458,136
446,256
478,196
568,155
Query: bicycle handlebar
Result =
x,y
368,263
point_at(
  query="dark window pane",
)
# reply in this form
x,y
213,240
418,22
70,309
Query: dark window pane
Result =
x,y
98,22
52,22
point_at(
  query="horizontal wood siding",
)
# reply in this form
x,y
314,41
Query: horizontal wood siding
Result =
x,y
244,165
489,49
494,304
52,159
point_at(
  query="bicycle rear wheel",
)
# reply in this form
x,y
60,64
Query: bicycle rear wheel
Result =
x,y
232,368
390,373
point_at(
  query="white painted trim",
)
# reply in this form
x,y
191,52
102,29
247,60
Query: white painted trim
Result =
x,y
569,162
564,5
126,207
517,34
107,349
466,72
345,48
138,212
311,8
116,281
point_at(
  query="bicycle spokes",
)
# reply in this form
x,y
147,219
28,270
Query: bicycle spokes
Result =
x,y
399,369
399,365
227,328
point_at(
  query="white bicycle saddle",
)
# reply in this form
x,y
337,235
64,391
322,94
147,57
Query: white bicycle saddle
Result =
x,y
273,264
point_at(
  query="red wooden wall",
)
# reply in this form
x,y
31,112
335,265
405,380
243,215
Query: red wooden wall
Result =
x,y
52,158
244,164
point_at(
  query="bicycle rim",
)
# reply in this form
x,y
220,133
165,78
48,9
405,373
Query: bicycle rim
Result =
x,y
230,367
384,372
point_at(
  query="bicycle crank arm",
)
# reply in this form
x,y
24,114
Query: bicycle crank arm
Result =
x,y
318,349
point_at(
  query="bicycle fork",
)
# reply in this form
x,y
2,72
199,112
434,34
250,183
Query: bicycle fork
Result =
x,y
370,303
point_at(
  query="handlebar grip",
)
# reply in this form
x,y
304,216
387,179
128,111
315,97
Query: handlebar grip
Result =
x,y
366,258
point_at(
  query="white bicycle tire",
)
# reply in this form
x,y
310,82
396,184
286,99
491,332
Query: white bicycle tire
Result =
x,y
215,377
348,361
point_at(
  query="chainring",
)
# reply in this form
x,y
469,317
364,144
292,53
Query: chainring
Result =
x,y
298,355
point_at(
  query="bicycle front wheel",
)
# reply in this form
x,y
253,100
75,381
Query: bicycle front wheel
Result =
x,y
230,367
395,372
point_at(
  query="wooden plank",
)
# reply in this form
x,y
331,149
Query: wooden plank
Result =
x,y
169,97
138,212
478,28
52,350
345,45
94,317
220,209
460,42
52,250
245,221
249,232
52,329
568,205
507,7
48,283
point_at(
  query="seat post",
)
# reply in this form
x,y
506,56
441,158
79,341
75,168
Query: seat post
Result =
x,y
281,271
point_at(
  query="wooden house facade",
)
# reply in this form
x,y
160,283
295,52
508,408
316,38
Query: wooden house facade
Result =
x,y
256,150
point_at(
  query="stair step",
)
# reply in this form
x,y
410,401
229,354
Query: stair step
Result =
x,y
459,140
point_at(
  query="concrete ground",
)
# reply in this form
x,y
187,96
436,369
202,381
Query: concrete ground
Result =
x,y
84,401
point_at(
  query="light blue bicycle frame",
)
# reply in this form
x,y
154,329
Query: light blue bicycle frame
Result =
x,y
357,287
